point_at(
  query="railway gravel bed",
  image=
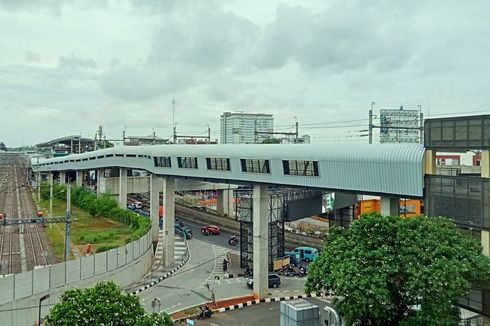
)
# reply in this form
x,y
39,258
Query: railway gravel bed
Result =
x,y
16,202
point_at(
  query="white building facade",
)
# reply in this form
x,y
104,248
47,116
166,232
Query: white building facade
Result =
x,y
245,128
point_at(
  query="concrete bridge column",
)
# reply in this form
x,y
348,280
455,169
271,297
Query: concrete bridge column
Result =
x,y
62,177
225,203
485,236
155,187
261,241
390,206
99,176
123,187
50,182
485,173
79,176
430,161
168,221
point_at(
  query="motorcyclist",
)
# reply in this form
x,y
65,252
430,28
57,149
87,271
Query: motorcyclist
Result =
x,y
205,312
233,240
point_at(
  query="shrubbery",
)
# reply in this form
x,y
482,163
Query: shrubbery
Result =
x,y
105,206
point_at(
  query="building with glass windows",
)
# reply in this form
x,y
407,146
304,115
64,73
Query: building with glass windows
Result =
x,y
245,128
465,197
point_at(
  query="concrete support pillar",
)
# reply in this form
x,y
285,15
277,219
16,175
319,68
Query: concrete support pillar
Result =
x,y
168,221
430,161
390,206
225,204
485,163
123,187
261,241
485,242
62,177
50,182
99,175
79,178
155,188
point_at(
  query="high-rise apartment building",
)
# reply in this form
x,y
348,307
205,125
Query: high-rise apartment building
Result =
x,y
245,128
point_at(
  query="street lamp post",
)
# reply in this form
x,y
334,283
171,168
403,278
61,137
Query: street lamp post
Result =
x,y
44,297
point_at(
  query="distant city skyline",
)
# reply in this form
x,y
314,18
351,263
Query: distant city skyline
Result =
x,y
67,67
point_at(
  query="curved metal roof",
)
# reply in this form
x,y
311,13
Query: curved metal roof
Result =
x,y
379,169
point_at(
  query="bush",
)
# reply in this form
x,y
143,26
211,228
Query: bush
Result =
x,y
107,206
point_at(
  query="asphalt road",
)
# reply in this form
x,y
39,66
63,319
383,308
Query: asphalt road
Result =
x,y
202,275
266,314
220,240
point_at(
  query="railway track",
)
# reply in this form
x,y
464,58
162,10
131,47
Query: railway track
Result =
x,y
26,246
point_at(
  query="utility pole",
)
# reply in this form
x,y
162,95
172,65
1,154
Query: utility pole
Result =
x,y
209,135
68,223
173,119
297,136
255,132
371,123
421,124
175,134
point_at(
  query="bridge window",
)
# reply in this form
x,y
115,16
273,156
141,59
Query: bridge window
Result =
x,y
130,155
92,158
109,155
303,168
163,161
187,162
119,155
84,159
101,156
255,165
219,164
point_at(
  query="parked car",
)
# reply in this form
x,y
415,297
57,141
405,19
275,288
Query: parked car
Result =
x,y
131,206
274,281
306,254
138,204
210,229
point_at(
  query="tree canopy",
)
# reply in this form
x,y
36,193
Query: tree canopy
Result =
x,y
104,304
386,270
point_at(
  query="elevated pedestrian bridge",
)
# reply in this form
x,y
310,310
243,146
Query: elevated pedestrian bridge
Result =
x,y
395,170
389,171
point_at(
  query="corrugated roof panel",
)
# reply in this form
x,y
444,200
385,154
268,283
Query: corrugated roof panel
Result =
x,y
385,169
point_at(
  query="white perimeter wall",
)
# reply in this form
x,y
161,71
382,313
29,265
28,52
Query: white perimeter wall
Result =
x,y
20,293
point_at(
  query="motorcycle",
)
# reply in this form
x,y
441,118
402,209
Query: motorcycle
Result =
x,y
248,272
205,313
233,241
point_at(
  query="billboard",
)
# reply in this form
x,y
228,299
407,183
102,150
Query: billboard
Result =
x,y
398,126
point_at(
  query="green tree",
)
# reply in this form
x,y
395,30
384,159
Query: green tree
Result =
x,y
104,304
2,146
387,270
271,141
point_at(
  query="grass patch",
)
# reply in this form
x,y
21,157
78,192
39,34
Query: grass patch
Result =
x,y
100,232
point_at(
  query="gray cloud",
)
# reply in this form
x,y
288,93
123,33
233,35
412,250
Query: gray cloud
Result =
x,y
318,60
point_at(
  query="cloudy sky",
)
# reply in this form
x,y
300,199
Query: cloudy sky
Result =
x,y
67,67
